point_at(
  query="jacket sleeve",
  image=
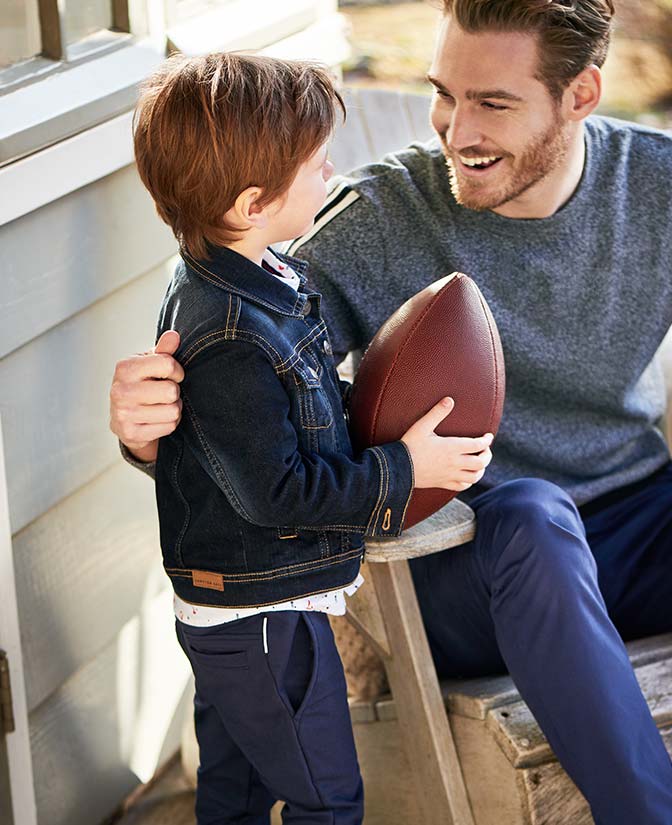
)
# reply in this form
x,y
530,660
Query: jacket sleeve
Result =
x,y
236,420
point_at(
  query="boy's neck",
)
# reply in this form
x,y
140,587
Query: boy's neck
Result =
x,y
251,248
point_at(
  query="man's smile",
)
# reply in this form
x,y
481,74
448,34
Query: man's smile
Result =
x,y
475,166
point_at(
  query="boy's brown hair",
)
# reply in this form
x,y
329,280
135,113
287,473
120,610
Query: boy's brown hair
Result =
x,y
573,34
206,128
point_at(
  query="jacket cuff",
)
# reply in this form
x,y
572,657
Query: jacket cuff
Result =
x,y
147,467
396,488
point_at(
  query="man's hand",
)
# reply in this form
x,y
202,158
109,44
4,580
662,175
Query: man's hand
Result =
x,y
447,462
145,399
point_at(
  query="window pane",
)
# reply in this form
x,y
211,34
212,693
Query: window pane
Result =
x,y
84,17
192,8
19,31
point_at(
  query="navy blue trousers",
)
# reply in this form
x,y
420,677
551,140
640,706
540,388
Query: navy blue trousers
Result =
x,y
549,592
272,722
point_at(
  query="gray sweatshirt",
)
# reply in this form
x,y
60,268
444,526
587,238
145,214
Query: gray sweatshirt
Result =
x,y
582,299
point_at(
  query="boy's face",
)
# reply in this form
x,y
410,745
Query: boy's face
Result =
x,y
294,213
490,109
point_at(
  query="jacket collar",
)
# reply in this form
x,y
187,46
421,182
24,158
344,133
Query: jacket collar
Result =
x,y
229,270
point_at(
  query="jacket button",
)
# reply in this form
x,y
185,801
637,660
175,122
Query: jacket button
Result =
x,y
307,307
327,347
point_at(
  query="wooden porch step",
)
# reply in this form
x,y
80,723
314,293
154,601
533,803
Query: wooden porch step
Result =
x,y
511,773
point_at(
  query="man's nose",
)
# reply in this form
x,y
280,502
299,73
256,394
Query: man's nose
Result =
x,y
462,130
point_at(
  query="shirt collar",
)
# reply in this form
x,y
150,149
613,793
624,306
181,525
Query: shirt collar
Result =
x,y
281,269
235,273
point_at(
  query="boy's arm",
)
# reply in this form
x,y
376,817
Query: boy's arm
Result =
x,y
236,421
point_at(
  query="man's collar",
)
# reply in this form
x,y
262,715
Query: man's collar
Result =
x,y
231,271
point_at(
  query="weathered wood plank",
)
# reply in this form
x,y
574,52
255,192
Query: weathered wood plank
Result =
x,y
387,120
423,723
351,146
54,396
83,569
115,720
477,697
417,107
554,798
518,734
488,775
92,242
450,526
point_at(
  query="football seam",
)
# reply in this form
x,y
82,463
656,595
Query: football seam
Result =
x,y
495,400
411,332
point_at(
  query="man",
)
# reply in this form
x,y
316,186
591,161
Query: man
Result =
x,y
563,220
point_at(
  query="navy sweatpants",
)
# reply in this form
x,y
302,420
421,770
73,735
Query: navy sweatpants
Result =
x,y
272,722
548,592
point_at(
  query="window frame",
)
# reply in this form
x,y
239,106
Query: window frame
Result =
x,y
76,119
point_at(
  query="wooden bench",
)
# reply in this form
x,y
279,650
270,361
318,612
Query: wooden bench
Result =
x,y
462,752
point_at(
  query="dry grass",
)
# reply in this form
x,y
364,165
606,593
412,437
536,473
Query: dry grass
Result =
x,y
392,47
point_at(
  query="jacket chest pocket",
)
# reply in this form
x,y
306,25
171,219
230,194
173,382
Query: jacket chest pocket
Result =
x,y
315,408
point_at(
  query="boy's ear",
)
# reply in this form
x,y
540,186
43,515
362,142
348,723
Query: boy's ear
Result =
x,y
246,213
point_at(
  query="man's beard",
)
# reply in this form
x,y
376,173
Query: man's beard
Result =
x,y
540,158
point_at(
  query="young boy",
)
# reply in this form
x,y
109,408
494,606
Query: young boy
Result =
x,y
263,507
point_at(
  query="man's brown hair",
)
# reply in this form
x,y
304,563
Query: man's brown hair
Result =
x,y
206,128
573,34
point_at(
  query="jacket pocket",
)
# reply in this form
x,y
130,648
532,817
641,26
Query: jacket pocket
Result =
x,y
315,408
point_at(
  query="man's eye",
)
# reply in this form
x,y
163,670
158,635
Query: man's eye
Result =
x,y
495,107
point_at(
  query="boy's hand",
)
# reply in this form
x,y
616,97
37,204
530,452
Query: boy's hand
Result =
x,y
447,462
145,399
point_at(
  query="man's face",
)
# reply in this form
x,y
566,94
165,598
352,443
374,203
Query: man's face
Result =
x,y
502,132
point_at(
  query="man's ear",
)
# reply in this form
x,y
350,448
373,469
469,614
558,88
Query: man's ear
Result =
x,y
583,93
246,213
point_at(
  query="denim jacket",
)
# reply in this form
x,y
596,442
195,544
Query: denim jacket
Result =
x,y
260,496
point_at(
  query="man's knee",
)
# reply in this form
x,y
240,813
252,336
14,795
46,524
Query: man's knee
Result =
x,y
528,516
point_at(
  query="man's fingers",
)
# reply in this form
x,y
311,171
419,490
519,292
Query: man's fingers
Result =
x,y
154,414
144,433
143,393
168,342
152,365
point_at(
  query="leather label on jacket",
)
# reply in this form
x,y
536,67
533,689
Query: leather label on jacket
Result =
x,y
213,581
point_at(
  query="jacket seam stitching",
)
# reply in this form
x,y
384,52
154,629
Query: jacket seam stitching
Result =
x,y
380,490
278,572
410,494
219,281
386,482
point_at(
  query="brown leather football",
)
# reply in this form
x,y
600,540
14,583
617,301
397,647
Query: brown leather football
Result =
x,y
442,341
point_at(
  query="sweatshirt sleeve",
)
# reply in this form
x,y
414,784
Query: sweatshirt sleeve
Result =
x,y
146,467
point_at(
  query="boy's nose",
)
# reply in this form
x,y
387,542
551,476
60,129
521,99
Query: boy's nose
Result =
x,y
328,170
